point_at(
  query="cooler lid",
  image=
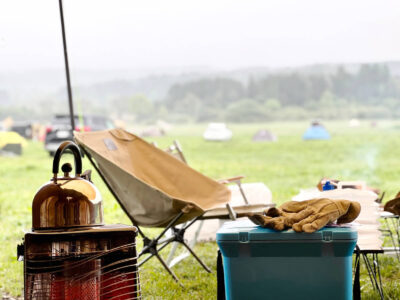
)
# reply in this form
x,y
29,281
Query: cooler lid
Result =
x,y
245,230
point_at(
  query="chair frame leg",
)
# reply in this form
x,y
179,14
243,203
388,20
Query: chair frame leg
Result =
x,y
153,248
179,233
396,244
397,227
168,269
376,262
374,272
356,284
171,261
196,257
172,254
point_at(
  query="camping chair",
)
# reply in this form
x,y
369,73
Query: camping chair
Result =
x,y
176,150
391,217
245,198
153,188
392,230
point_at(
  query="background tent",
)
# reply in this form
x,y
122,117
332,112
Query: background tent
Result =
x,y
316,132
11,137
264,136
11,143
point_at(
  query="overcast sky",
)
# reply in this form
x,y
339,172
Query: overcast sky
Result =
x,y
133,34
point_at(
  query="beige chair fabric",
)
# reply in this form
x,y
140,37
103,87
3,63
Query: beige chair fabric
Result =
x,y
257,194
152,185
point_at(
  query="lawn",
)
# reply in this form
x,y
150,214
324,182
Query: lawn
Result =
x,y
363,153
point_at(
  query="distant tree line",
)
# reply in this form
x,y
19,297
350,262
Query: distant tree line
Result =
x,y
369,93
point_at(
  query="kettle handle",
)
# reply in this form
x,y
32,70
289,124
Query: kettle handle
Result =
x,y
77,157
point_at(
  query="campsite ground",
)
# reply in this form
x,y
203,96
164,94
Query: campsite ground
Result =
x,y
365,153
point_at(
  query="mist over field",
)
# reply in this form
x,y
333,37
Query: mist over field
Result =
x,y
325,91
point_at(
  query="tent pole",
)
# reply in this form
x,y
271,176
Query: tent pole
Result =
x,y
69,89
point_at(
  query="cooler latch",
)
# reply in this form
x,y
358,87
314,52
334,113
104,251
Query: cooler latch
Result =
x,y
243,237
327,236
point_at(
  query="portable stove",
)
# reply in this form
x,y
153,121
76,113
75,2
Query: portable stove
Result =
x,y
70,254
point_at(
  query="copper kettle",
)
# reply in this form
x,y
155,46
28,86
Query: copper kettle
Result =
x,y
67,201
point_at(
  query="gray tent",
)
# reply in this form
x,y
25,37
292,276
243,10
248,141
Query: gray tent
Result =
x,y
264,135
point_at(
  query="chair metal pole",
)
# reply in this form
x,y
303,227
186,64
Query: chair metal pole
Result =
x,y
373,276
196,257
69,89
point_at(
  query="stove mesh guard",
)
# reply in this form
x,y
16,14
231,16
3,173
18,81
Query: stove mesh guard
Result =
x,y
85,268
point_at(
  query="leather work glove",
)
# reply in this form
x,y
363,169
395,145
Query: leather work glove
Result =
x,y
393,205
308,216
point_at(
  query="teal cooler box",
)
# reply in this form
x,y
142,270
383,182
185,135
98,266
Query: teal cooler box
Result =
x,y
261,263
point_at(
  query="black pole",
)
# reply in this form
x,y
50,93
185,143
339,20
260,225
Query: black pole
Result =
x,y
71,105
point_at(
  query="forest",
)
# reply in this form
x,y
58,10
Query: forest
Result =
x,y
364,91
371,92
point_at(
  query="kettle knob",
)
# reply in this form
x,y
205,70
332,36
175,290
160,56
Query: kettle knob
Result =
x,y
66,168
67,145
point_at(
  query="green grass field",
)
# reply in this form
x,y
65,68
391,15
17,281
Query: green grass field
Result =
x,y
363,153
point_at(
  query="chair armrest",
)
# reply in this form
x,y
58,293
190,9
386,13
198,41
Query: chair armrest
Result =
x,y
239,211
238,181
235,179
231,212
